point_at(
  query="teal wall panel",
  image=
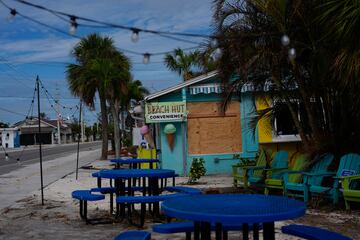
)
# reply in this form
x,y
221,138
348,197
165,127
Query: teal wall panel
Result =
x,y
223,165
172,159
250,141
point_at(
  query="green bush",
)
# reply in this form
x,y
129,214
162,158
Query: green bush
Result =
x,y
197,170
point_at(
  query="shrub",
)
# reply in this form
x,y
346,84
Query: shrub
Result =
x,y
197,170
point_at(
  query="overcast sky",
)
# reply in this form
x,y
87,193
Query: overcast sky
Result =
x,y
28,49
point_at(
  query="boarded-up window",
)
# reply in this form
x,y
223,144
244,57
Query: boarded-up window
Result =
x,y
210,133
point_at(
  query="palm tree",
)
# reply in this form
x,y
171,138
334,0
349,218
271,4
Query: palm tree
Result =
x,y
325,69
182,63
117,90
83,79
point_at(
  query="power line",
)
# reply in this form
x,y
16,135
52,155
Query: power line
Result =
x,y
71,18
146,55
10,111
24,98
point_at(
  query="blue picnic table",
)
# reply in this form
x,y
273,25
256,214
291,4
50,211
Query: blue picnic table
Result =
x,y
244,209
149,182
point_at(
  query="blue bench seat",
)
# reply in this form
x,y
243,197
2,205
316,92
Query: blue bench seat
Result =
x,y
105,190
188,227
182,189
312,233
133,235
143,200
147,199
84,196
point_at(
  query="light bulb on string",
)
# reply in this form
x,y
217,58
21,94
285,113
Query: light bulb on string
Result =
x,y
146,59
217,54
12,15
292,54
6,157
285,40
135,35
213,42
73,25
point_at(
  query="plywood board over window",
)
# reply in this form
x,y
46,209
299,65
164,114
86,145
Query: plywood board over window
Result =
x,y
211,133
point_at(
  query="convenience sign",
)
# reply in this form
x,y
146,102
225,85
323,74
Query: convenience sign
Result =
x,y
165,112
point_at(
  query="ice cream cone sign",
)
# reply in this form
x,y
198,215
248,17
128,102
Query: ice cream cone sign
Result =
x,y
170,130
145,131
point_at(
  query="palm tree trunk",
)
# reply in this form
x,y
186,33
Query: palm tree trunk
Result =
x,y
104,132
114,105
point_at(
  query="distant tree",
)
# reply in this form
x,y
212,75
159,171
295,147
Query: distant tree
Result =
x,y
88,132
183,63
75,128
4,125
43,115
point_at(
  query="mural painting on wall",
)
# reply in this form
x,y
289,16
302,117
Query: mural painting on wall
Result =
x,y
165,112
170,130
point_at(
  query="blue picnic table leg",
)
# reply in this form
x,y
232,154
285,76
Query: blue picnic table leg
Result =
x,y
245,230
218,231
269,231
256,231
154,186
205,231
196,230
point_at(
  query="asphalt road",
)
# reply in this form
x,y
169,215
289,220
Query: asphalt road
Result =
x,y
31,154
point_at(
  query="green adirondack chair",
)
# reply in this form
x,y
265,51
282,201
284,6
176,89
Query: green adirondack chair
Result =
x,y
256,175
349,165
240,171
351,189
294,184
298,164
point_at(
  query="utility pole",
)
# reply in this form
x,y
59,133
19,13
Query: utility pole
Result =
x,y
82,125
58,111
40,149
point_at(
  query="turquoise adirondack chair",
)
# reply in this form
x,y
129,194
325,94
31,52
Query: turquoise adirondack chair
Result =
x,y
296,164
299,188
256,175
349,165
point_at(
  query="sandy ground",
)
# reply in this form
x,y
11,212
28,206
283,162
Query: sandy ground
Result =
x,y
59,218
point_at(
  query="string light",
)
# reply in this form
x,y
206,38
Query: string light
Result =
x,y
135,35
285,40
213,43
292,54
146,59
6,157
73,25
12,15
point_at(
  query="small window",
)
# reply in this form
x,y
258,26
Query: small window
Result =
x,y
284,123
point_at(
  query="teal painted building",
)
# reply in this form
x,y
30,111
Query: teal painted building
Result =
x,y
201,130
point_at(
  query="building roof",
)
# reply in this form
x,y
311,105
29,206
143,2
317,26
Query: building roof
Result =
x,y
48,122
179,86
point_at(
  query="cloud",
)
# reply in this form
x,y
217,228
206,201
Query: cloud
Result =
x,y
26,42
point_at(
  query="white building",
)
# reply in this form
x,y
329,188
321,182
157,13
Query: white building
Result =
x,y
9,137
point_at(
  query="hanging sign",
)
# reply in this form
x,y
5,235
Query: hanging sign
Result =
x,y
165,112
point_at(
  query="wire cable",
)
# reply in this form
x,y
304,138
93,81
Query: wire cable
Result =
x,y
112,25
78,37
